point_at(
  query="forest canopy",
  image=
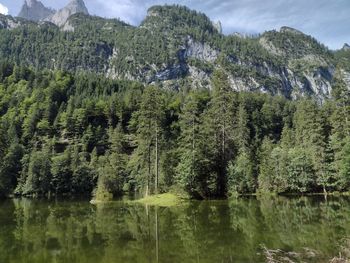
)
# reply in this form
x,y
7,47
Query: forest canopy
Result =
x,y
83,134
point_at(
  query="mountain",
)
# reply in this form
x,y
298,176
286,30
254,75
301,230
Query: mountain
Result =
x,y
73,7
34,10
175,46
346,47
99,104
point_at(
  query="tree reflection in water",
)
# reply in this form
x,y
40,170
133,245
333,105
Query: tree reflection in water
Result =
x,y
240,230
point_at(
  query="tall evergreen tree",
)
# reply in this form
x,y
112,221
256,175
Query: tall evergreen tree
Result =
x,y
150,120
189,168
219,127
241,170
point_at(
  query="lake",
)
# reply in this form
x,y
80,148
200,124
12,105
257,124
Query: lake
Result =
x,y
307,229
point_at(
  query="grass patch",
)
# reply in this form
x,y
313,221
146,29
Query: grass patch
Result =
x,y
163,200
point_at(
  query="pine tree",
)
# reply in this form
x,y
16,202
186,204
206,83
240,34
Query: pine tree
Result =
x,y
241,171
301,177
344,172
150,119
38,181
61,181
10,169
188,170
310,134
338,141
219,128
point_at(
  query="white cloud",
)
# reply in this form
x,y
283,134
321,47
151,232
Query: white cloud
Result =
x,y
3,9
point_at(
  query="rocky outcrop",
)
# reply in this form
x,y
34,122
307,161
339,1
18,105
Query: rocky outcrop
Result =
x,y
200,51
7,22
218,26
171,72
61,16
346,47
35,11
346,78
285,62
199,78
286,29
270,47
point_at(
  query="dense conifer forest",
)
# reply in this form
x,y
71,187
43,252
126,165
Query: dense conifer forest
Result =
x,y
83,134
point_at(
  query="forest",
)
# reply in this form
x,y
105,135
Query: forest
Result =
x,y
82,134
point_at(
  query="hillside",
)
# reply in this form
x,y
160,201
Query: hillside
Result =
x,y
78,115
83,134
176,46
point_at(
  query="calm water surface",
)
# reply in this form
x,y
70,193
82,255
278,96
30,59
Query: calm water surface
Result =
x,y
209,231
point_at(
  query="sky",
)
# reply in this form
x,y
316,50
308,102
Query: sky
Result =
x,y
326,20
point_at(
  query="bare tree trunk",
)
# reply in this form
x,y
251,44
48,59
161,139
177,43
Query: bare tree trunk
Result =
x,y
149,170
324,190
157,165
193,145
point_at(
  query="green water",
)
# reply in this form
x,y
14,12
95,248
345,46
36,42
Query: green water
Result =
x,y
215,231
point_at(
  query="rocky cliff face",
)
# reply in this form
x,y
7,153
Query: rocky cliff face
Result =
x,y
218,26
7,22
34,10
175,46
346,47
74,6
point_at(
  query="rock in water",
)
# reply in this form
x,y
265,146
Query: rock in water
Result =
x,y
34,10
73,7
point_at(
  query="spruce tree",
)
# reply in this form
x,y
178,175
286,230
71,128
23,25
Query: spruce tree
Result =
x,y
188,170
219,128
150,118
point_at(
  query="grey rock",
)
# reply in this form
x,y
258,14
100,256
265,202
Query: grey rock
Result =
x,y
8,22
346,47
218,26
200,51
171,72
286,29
61,16
34,10
68,27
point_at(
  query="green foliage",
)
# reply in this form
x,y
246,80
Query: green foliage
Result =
x,y
64,134
273,173
301,177
113,48
344,172
39,174
149,132
10,169
241,175
296,44
61,172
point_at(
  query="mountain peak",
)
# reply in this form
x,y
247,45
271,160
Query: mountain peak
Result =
x,y
218,26
34,10
346,47
78,5
286,29
177,18
73,7
30,3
